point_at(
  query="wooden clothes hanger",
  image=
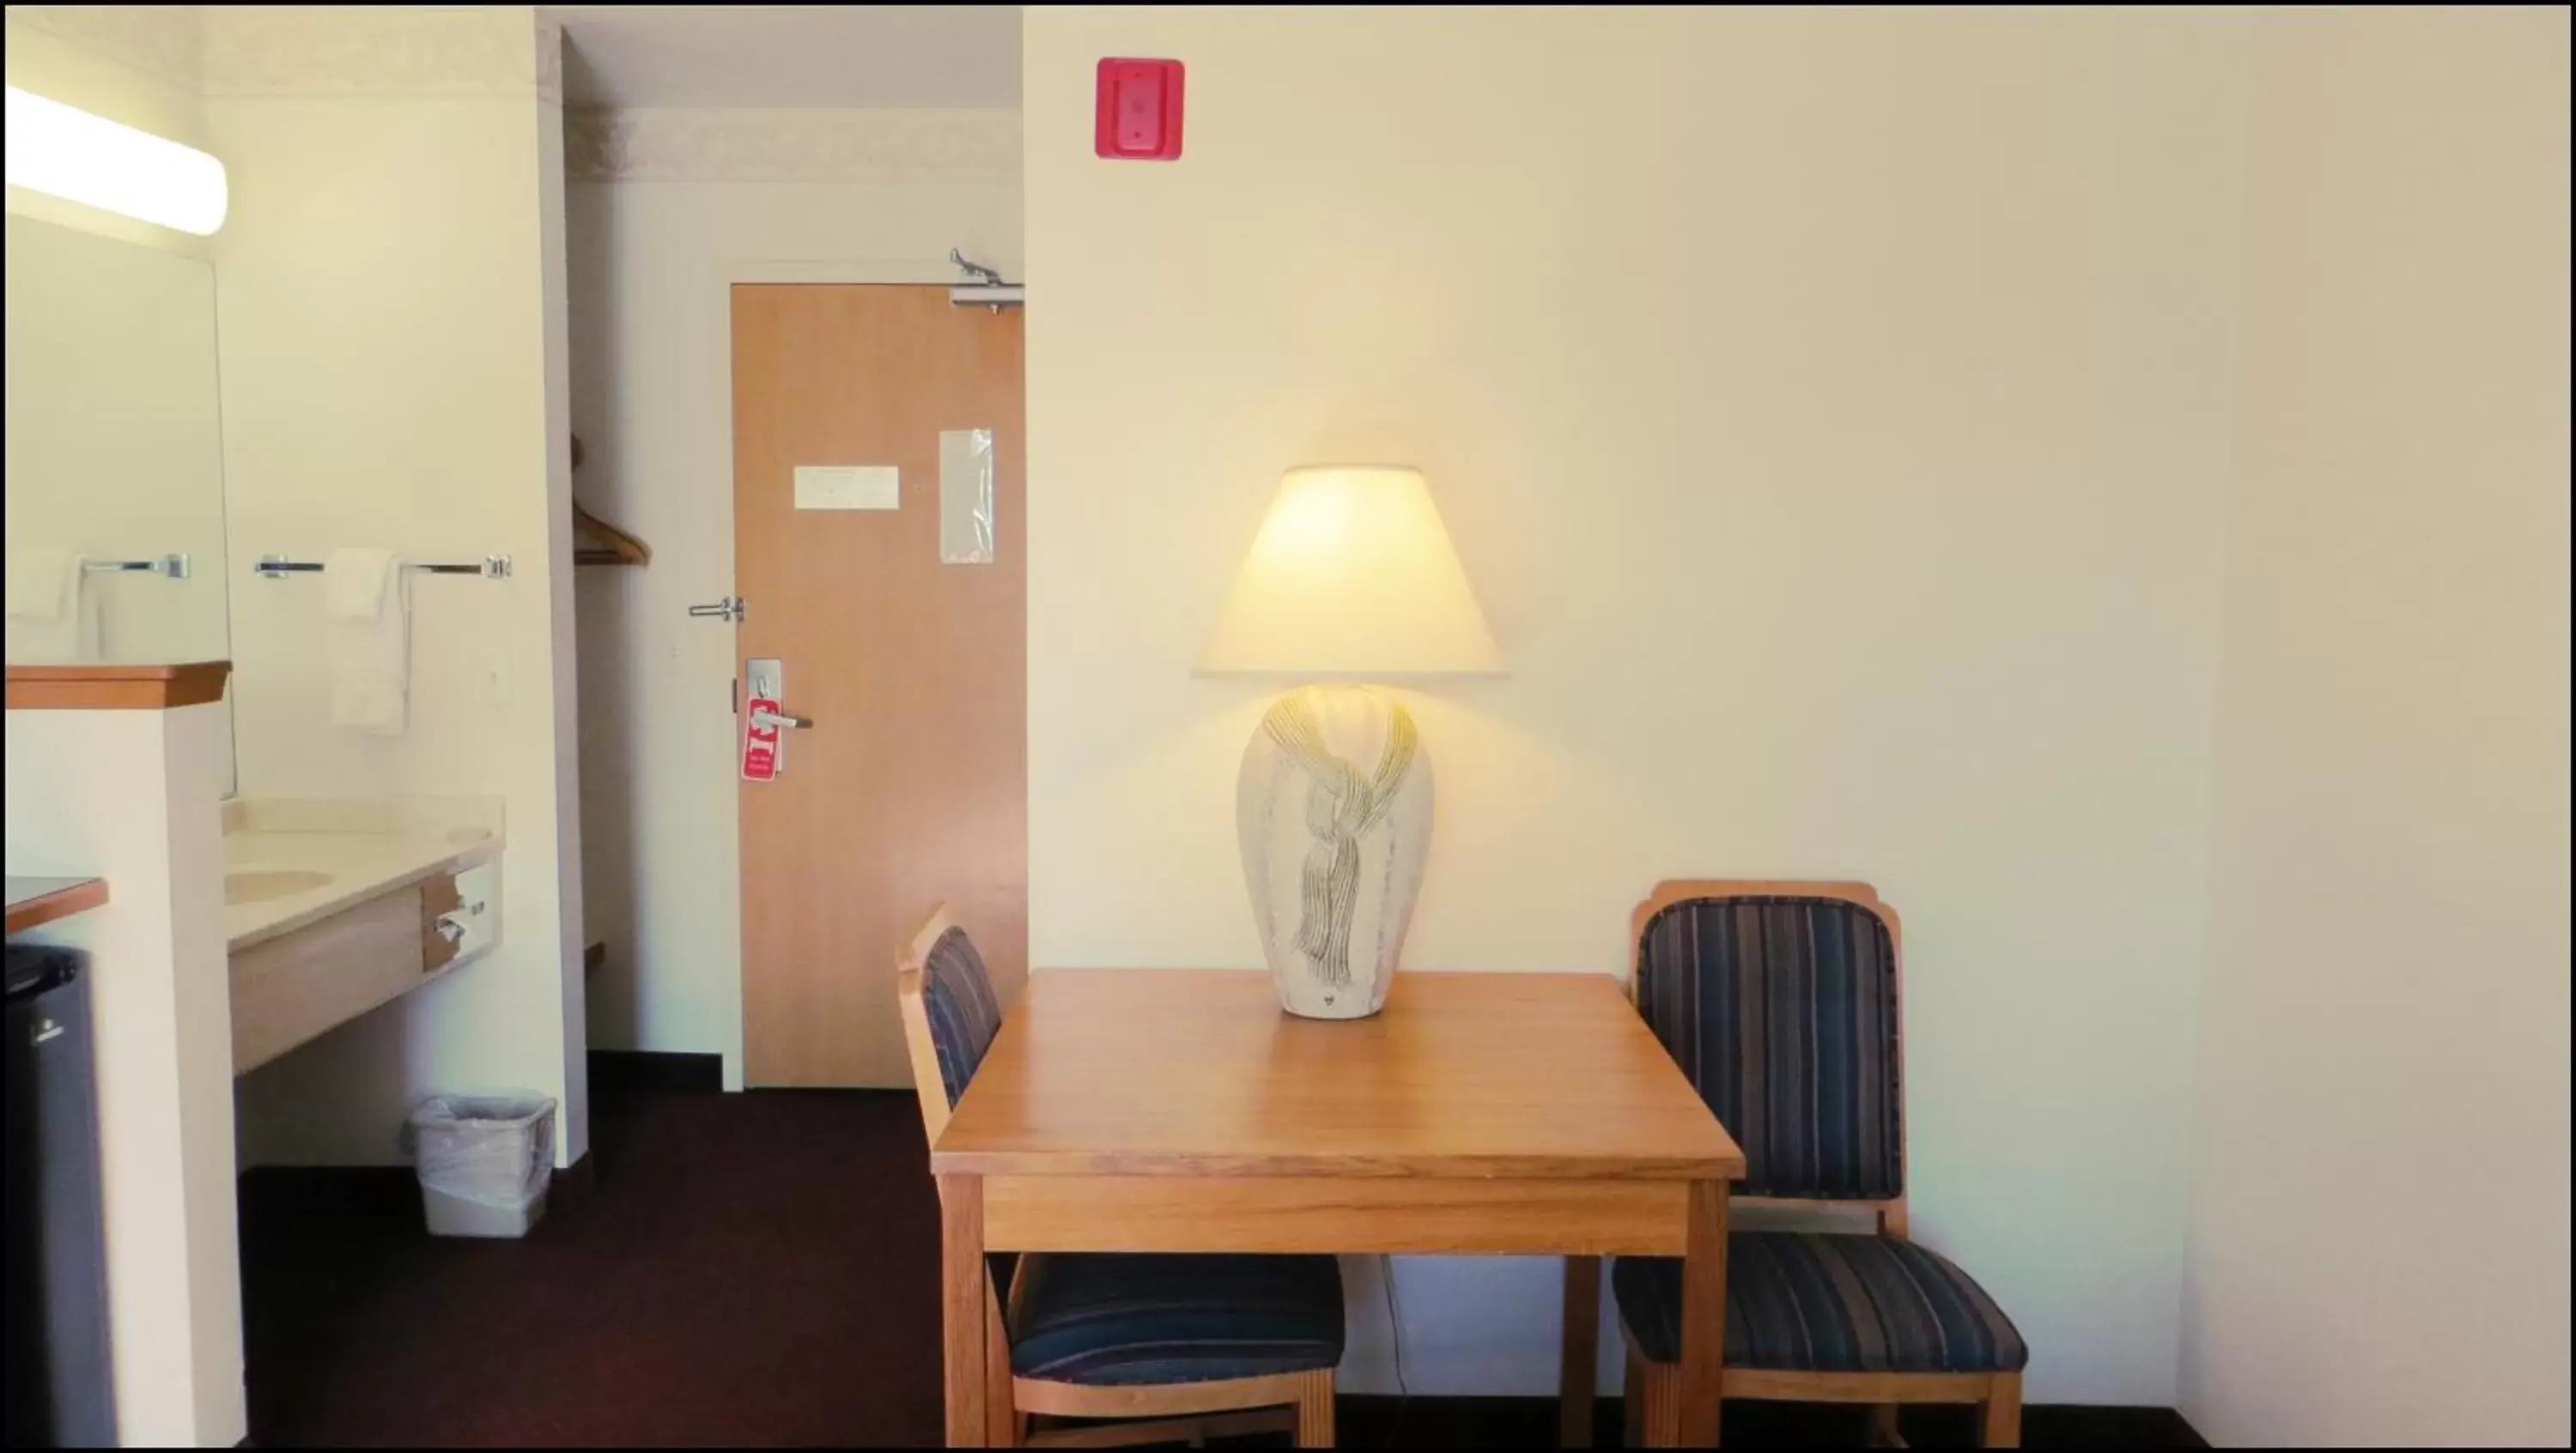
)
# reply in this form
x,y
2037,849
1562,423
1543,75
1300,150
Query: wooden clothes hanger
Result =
x,y
618,547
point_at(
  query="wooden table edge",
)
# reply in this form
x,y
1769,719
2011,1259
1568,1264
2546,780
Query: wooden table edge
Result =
x,y
1194,1165
78,895
1453,1216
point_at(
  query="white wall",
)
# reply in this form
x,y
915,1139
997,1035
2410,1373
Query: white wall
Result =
x,y
2380,1220
677,205
1832,411
393,375
130,796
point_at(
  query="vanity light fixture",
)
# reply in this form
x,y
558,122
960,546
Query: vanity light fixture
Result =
x,y
66,152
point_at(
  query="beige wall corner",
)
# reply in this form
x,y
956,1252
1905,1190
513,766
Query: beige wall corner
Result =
x,y
2379,1230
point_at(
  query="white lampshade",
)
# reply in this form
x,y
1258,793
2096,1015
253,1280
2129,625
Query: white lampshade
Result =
x,y
1352,578
66,152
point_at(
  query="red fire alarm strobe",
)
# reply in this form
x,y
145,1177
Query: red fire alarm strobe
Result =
x,y
1139,113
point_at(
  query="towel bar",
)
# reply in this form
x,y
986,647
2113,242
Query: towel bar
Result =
x,y
174,566
493,567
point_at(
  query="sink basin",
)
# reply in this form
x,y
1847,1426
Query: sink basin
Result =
x,y
260,886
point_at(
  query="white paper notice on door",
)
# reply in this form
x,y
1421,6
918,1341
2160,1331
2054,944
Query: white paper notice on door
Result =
x,y
848,487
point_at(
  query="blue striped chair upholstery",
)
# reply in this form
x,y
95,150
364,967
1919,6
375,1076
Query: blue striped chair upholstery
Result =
x,y
1797,1302
1125,1320
1782,1010
964,1015
1128,1319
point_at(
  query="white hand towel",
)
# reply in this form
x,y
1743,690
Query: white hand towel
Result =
x,y
366,615
53,616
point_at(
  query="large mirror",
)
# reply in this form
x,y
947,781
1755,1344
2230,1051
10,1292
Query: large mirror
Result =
x,y
115,452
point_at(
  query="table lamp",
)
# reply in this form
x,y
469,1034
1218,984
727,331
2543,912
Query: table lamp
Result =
x,y
1351,581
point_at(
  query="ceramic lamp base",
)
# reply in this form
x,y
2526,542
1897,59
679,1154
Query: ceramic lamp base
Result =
x,y
1333,809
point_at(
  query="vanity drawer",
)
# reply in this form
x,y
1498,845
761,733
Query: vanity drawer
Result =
x,y
293,988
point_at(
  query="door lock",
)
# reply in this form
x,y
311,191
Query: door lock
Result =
x,y
731,608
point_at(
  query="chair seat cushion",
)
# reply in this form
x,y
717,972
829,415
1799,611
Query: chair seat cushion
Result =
x,y
1127,1319
1799,1302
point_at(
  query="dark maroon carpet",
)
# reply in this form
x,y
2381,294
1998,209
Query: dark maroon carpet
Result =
x,y
746,1269
742,1270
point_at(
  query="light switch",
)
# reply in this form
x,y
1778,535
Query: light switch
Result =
x,y
492,677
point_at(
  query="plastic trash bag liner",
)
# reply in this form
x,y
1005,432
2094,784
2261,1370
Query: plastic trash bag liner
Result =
x,y
495,1149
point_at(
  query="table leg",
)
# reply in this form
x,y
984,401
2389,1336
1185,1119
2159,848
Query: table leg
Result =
x,y
1703,1366
1001,1412
1582,1352
962,1301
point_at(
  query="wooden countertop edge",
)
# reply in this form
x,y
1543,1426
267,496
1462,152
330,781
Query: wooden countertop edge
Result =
x,y
63,902
116,688
1416,1168
458,861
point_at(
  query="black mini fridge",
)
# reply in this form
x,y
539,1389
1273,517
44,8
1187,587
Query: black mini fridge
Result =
x,y
59,1388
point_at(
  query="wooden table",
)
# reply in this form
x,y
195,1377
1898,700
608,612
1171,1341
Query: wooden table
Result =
x,y
1182,1110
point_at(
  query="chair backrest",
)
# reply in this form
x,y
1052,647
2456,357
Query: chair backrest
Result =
x,y
1782,1003
950,1014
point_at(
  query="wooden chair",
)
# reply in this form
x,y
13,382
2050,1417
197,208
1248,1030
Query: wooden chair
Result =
x,y
1208,1346
1782,1001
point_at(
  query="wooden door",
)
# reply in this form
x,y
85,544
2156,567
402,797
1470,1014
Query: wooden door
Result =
x,y
910,788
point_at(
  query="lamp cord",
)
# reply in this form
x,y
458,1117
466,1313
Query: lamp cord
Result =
x,y
1395,1337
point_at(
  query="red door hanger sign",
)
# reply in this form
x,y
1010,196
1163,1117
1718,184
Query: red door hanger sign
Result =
x,y
760,739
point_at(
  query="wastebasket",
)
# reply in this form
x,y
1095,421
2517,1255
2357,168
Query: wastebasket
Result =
x,y
484,1161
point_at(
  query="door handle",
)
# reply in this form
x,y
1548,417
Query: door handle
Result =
x,y
731,608
780,720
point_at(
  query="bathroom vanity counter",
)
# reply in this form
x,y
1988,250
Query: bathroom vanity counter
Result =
x,y
35,901
278,882
332,909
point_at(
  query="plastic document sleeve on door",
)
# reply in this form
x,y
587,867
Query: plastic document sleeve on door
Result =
x,y
966,497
